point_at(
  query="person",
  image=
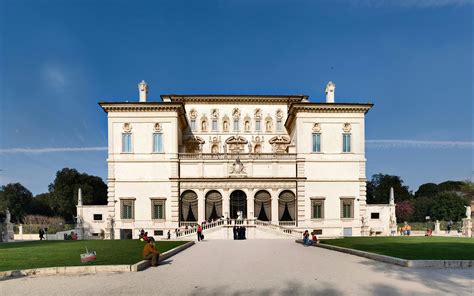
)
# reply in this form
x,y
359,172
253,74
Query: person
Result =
x,y
73,235
450,224
235,232
140,235
306,240
408,229
199,232
41,234
145,236
150,252
314,238
429,232
244,230
169,234
404,229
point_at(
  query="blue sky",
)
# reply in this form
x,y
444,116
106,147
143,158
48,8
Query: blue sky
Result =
x,y
413,59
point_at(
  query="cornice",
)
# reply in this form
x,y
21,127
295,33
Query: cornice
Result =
x,y
232,99
142,107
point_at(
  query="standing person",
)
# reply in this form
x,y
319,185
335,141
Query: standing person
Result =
x,y
41,233
450,224
199,232
235,232
150,252
169,234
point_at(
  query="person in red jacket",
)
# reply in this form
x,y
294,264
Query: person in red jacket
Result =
x,y
199,232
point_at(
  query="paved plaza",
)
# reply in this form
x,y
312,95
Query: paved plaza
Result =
x,y
256,267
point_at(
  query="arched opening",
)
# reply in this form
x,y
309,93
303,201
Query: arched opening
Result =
x,y
213,205
286,206
238,203
258,148
188,206
263,206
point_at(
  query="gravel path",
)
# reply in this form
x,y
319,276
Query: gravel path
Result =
x,y
256,267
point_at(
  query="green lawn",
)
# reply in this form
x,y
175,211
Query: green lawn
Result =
x,y
24,255
411,248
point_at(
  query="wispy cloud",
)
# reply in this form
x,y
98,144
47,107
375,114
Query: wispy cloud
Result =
x,y
50,150
388,144
55,77
412,3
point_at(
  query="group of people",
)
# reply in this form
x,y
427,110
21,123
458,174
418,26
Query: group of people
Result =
x,y
307,241
72,236
405,230
239,232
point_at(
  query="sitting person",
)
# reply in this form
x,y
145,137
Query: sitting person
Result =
x,y
145,236
429,232
150,252
314,238
73,235
306,240
140,235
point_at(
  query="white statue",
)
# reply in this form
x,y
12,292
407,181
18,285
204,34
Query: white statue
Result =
x,y
468,212
8,216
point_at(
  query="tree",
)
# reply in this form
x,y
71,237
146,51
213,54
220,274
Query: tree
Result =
x,y
428,190
378,189
39,205
63,191
423,207
449,206
451,186
404,210
16,198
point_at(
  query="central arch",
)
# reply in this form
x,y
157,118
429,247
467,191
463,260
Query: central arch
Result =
x,y
238,202
263,205
213,205
188,206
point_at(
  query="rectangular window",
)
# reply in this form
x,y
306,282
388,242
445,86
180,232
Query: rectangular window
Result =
x,y
97,217
374,215
257,125
279,125
347,208
346,143
214,125
157,143
236,125
158,232
316,142
193,124
158,209
127,209
126,143
317,209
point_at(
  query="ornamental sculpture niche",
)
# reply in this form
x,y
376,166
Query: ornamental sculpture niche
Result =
x,y
258,113
316,127
157,127
279,114
214,144
247,123
193,144
280,144
258,142
225,123
127,127
268,124
237,169
346,127
236,113
204,123
236,144
193,114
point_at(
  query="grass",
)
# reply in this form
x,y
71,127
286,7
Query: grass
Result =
x,y
25,255
411,248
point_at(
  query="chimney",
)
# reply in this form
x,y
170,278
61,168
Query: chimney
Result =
x,y
330,88
143,90
79,197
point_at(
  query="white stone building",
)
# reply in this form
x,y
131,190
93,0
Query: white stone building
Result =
x,y
263,160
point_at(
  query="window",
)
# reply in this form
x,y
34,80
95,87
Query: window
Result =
x,y
346,143
236,125
126,143
158,209
158,232
157,143
97,217
127,206
257,125
317,208
374,215
193,124
318,231
347,208
214,125
316,142
279,125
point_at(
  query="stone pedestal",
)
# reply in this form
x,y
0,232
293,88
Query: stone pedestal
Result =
x,y
467,227
437,229
365,230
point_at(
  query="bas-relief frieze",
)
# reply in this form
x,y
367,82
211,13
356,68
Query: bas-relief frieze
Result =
x,y
238,184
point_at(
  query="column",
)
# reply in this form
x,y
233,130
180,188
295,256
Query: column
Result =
x,y
250,203
275,218
201,206
226,203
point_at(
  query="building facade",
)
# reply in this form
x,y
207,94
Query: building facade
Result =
x,y
279,159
